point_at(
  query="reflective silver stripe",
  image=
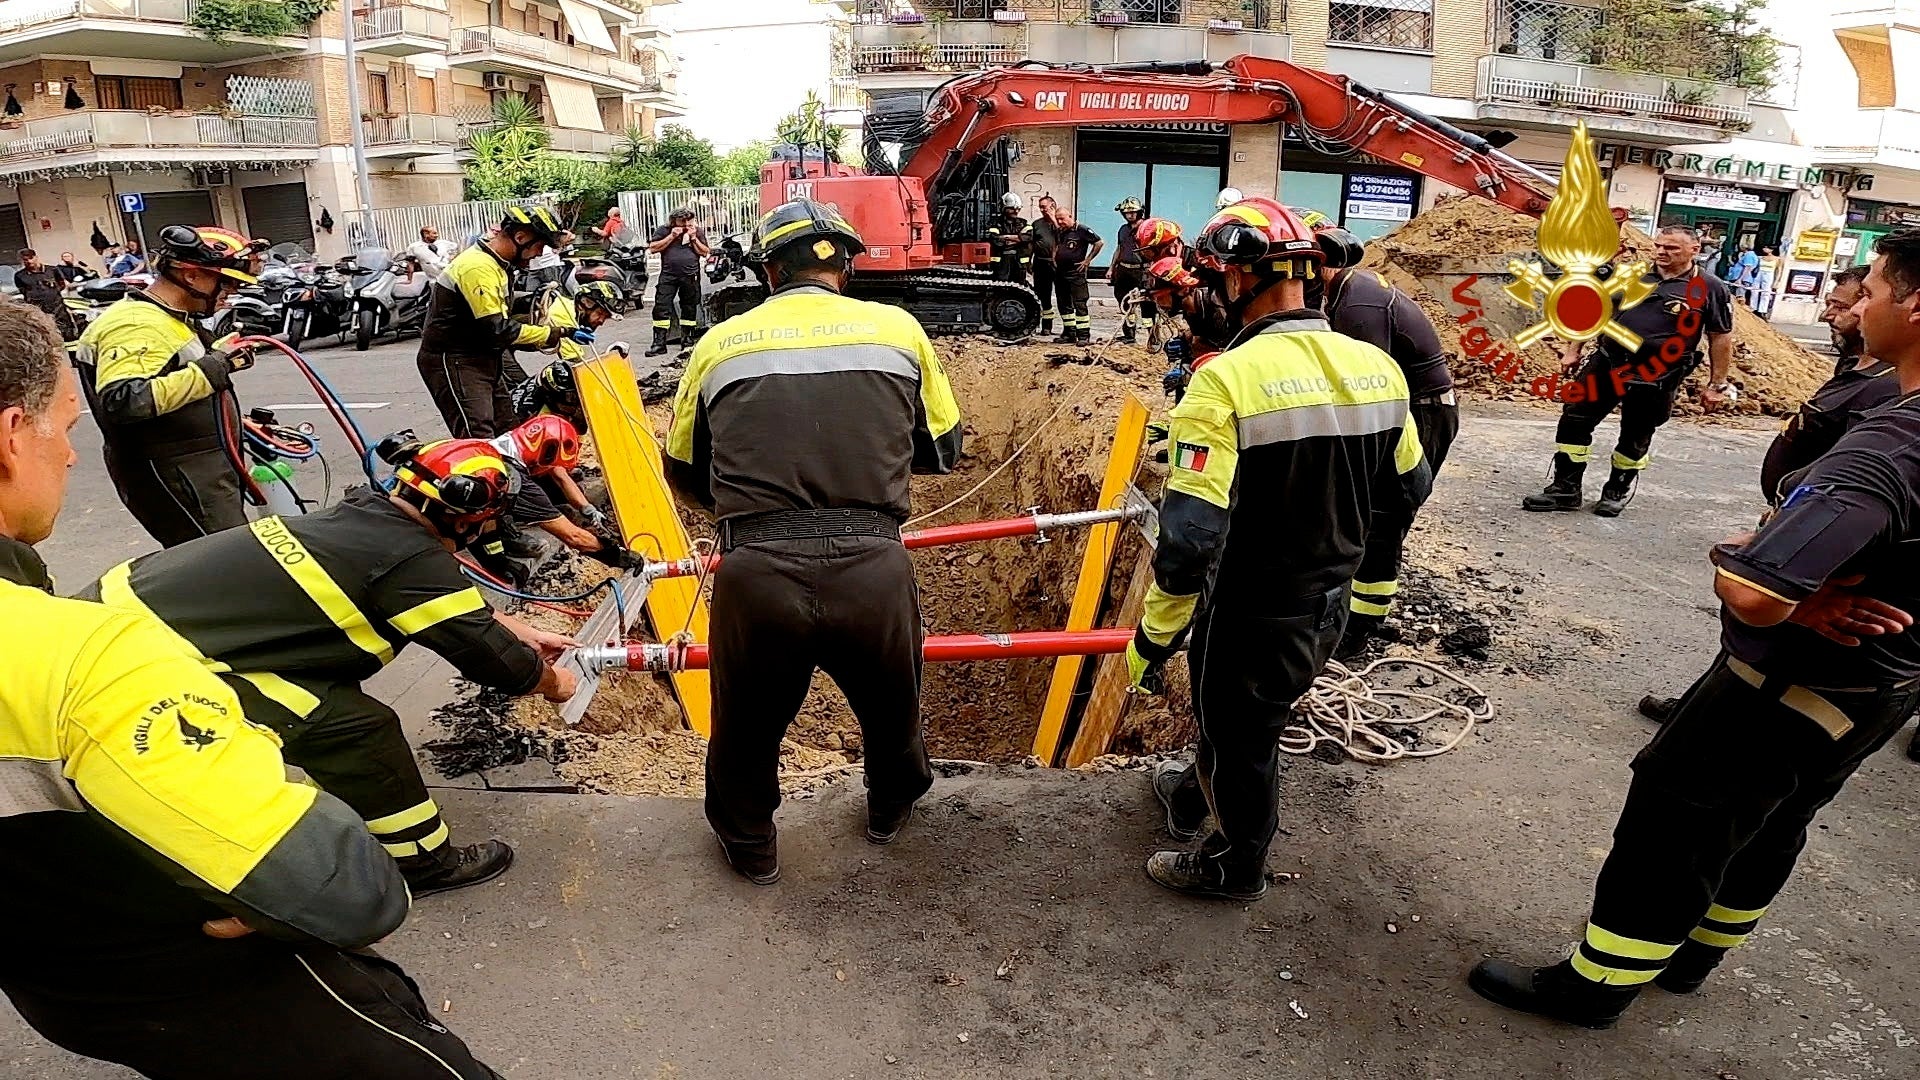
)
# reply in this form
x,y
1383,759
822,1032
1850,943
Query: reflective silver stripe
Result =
x,y
191,351
1309,421
28,786
820,361
1295,326
445,281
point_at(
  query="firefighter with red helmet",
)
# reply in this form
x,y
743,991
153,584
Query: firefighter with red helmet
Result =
x,y
157,384
545,450
1282,449
295,613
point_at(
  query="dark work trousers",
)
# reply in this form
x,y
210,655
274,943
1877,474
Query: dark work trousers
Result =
x,y
1011,267
1719,807
1377,581
252,1008
676,300
1043,287
1644,406
1125,279
848,606
473,393
351,745
1248,666
1070,282
178,497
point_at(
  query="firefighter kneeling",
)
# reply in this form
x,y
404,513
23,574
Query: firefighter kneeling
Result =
x,y
1283,447
295,613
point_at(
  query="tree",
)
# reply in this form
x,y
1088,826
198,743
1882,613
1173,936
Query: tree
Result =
x,y
215,20
807,128
742,166
682,151
1689,39
508,153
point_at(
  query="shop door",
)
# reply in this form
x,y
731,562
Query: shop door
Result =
x,y
164,208
1102,184
1314,191
13,234
278,213
1869,241
1184,193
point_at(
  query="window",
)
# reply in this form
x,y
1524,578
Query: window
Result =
x,y
1394,24
135,92
1144,11
377,100
1547,30
977,9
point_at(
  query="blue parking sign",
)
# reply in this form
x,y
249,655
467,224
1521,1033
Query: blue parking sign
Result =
x,y
133,203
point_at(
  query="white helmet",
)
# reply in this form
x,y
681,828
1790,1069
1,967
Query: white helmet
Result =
x,y
1228,196
1012,200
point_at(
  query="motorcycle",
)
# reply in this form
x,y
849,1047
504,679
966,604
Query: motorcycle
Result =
x,y
257,309
728,260
390,300
317,305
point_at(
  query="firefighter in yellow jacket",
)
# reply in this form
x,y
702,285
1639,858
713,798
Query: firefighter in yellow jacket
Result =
x,y
157,384
171,901
1283,447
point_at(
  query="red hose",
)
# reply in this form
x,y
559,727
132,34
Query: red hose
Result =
x,y
959,647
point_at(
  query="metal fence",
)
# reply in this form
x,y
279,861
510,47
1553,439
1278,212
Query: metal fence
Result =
x,y
395,227
722,211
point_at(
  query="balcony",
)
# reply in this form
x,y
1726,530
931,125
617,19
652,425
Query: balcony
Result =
x,y
1874,17
1555,94
888,54
496,48
1870,139
662,89
579,142
402,30
86,141
124,29
414,135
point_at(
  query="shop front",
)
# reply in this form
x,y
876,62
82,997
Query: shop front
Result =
x,y
1728,216
1176,170
1867,222
1368,197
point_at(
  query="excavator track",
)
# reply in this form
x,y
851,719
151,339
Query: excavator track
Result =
x,y
944,301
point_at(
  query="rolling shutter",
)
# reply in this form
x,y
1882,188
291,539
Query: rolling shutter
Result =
x,y
278,212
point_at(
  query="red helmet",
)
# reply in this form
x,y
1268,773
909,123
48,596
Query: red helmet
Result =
x,y
1171,273
215,248
1153,234
546,443
1262,236
466,477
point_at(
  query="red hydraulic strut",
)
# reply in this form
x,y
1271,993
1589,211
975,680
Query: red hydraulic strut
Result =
x,y
939,535
646,656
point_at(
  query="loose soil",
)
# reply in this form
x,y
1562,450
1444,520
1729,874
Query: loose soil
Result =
x,y
1430,255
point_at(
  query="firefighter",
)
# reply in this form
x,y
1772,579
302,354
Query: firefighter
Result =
x,y
809,519
591,307
1819,666
171,898
1044,231
545,450
676,296
294,614
158,384
1686,304
1201,330
1363,305
1842,324
1074,248
1282,448
463,347
1128,271
1012,240
1159,238
553,392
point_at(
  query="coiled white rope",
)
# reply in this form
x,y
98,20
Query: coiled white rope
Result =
x,y
1343,710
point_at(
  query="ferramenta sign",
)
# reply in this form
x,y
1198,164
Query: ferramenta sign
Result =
x,y
1733,168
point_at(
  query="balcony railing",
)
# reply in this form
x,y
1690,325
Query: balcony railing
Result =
x,y
1556,84
1889,138
474,41
413,128
581,141
1860,14
1248,14
54,136
17,15
403,20
971,44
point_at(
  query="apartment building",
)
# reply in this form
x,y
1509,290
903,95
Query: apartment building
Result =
x,y
107,98
1785,158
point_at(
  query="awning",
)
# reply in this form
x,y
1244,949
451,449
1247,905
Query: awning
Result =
x,y
574,105
586,25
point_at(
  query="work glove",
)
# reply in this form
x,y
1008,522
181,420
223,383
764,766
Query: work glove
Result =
x,y
229,350
594,516
580,335
1146,664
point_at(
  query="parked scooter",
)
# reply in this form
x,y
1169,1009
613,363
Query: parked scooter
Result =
x,y
616,269
727,260
391,300
318,306
259,308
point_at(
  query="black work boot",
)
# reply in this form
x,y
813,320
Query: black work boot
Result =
x,y
883,824
1913,747
1689,967
659,347
448,867
1167,777
1658,709
761,869
1067,336
1046,326
1557,992
1565,491
1358,635
1196,875
1617,493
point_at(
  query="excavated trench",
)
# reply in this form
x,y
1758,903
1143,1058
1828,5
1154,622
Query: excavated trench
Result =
x,y
1066,403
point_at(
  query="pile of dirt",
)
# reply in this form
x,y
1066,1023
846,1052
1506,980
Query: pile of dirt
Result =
x,y
1057,410
1432,255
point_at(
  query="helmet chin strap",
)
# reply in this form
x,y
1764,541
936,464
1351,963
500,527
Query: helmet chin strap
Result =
x,y
211,300
1237,307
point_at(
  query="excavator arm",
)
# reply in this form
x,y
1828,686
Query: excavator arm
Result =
x,y
1331,112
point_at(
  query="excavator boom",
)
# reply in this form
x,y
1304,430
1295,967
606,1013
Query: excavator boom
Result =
x,y
1332,112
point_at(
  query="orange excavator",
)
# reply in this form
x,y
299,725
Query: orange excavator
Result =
x,y
932,186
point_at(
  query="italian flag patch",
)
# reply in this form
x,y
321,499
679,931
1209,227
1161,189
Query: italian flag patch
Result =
x,y
1190,456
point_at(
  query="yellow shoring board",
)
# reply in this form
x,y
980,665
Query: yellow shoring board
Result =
x,y
1129,438
644,507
